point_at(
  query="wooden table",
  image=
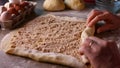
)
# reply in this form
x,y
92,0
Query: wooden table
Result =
x,y
11,61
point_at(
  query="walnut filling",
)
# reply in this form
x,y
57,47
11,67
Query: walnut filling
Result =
x,y
50,34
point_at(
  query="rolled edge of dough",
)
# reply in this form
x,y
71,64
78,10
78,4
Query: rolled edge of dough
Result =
x,y
87,32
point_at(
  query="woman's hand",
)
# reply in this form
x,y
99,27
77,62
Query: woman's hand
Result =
x,y
100,53
111,21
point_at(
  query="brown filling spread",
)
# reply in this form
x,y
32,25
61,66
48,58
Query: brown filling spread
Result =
x,y
50,34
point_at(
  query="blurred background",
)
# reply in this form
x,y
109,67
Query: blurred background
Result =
x,y
110,5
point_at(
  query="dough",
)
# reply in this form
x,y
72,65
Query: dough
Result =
x,y
48,38
75,4
89,31
54,5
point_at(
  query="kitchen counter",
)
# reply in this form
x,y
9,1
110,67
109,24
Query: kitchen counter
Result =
x,y
11,61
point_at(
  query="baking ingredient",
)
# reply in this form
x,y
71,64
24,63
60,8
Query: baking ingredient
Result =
x,y
5,16
19,8
13,11
14,1
8,5
75,4
54,5
25,4
2,9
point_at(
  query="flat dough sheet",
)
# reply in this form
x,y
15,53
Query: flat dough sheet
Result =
x,y
48,38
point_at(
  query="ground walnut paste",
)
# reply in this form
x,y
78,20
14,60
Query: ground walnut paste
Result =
x,y
51,34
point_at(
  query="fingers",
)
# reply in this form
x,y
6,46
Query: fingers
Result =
x,y
97,40
105,50
92,15
104,28
98,18
91,45
101,16
85,50
85,47
95,44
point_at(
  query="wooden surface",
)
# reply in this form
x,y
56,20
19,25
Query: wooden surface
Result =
x,y
11,61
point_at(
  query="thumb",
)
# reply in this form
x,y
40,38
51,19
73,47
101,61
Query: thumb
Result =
x,y
105,27
81,50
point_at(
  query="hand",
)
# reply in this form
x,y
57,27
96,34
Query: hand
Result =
x,y
111,21
100,53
